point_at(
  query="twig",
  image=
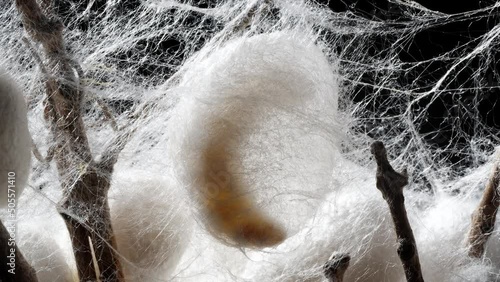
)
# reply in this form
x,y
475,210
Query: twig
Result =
x,y
36,152
245,18
106,111
391,184
483,219
35,55
85,184
94,261
336,266
23,271
50,153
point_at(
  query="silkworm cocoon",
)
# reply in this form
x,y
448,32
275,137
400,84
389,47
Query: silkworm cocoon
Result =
x,y
15,140
230,212
252,137
44,250
150,225
355,219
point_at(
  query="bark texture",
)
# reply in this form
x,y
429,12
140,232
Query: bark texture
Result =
x,y
391,184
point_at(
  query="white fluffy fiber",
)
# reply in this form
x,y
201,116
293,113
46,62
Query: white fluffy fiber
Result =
x,y
15,139
355,219
42,237
336,209
268,98
152,229
47,248
258,113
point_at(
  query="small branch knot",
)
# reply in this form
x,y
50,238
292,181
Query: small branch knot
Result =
x,y
336,266
406,250
388,180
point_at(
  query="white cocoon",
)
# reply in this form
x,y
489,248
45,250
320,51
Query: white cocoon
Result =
x,y
356,220
254,136
15,140
151,225
51,258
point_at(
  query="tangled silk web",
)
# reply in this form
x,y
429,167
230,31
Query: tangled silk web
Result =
x,y
268,92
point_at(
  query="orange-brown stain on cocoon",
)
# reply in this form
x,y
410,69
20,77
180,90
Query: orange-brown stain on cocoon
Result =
x,y
230,210
247,115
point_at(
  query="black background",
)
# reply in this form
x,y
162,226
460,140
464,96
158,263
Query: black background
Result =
x,y
455,109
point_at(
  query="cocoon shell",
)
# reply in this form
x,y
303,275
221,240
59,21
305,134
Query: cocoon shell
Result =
x,y
356,220
253,136
52,261
15,140
150,224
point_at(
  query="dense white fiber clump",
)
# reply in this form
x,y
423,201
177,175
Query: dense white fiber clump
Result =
x,y
152,230
355,220
42,237
15,139
254,134
48,251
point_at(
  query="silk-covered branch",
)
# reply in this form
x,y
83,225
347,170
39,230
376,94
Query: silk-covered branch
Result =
x,y
85,182
391,184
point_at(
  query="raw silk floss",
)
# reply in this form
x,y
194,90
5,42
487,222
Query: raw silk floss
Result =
x,y
238,175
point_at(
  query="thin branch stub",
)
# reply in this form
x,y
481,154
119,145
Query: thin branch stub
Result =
x,y
483,219
391,184
336,267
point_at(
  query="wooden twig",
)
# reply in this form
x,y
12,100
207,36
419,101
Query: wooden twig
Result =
x,y
84,205
22,270
391,184
50,153
107,113
336,266
94,261
483,219
36,152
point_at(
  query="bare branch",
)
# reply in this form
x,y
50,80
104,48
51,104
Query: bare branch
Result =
x,y
36,152
107,113
336,266
483,219
85,185
50,153
391,184
35,55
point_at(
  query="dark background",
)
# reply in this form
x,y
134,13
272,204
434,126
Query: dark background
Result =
x,y
469,105
474,112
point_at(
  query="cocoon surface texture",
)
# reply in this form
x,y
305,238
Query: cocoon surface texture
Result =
x,y
254,136
15,140
150,223
51,260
